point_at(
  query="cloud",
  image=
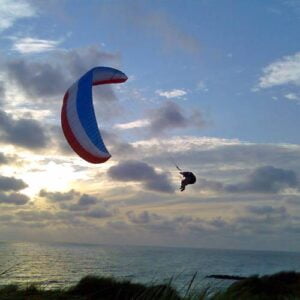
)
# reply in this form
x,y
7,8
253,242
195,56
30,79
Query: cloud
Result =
x,y
168,116
22,132
264,220
13,10
80,204
32,45
59,196
292,97
117,146
141,172
175,93
14,198
37,79
132,125
266,179
100,213
171,116
177,225
53,77
78,61
142,218
87,200
281,72
220,156
256,224
11,184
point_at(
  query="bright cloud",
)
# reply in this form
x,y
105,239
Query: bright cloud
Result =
x,y
175,93
134,124
31,45
280,72
13,10
184,143
292,96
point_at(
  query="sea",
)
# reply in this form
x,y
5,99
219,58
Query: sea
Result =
x,y
60,265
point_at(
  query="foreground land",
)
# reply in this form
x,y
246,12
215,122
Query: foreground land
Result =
x,y
283,285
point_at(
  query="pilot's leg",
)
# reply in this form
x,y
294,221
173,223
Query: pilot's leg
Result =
x,y
183,184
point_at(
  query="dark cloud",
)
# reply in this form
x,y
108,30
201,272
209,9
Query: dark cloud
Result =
x,y
27,133
84,202
266,179
59,196
73,202
168,116
100,213
37,79
181,223
52,77
87,200
143,218
73,207
11,184
245,230
14,198
116,145
78,61
141,172
171,116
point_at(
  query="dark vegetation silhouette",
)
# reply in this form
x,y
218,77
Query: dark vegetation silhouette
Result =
x,y
279,286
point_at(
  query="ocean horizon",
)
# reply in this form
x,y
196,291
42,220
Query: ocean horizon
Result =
x,y
56,265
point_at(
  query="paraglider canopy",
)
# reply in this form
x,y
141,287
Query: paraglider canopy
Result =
x,y
78,118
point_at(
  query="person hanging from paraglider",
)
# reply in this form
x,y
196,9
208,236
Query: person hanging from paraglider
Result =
x,y
188,178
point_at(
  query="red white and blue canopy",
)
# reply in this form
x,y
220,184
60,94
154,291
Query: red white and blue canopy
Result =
x,y
78,118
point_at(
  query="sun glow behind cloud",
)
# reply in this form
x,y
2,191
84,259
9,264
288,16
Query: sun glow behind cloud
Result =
x,y
41,172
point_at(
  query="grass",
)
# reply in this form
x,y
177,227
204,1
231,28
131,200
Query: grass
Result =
x,y
279,286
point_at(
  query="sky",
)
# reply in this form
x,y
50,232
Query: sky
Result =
x,y
213,86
